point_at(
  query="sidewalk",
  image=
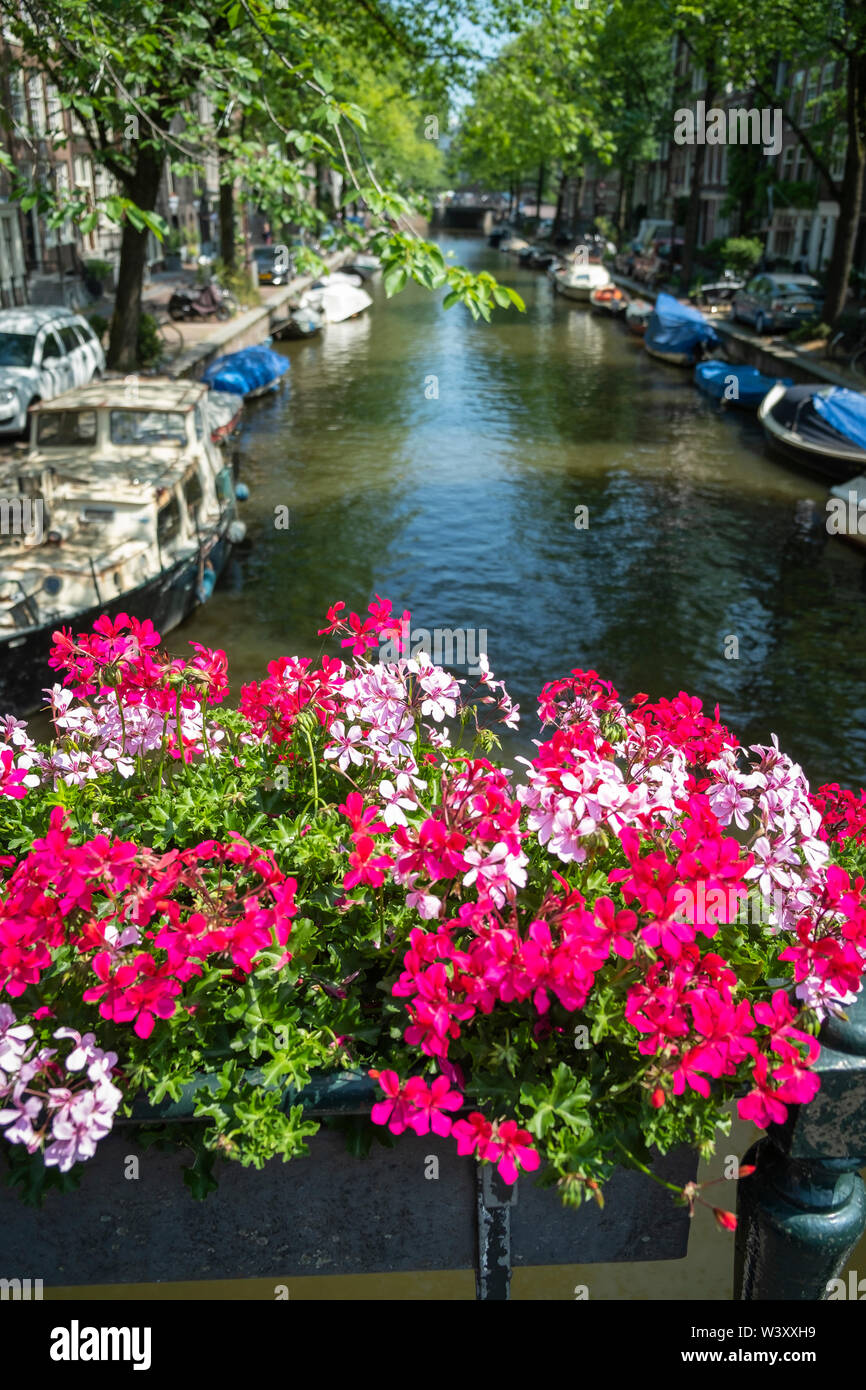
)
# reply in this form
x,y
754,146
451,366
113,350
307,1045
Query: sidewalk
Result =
x,y
206,339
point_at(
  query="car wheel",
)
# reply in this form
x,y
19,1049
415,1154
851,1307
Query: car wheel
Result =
x,y
760,324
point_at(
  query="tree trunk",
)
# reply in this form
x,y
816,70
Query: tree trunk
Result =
x,y
851,198
622,206
228,242
142,187
560,202
690,234
539,192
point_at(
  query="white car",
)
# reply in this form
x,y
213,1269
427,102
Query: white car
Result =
x,y
43,352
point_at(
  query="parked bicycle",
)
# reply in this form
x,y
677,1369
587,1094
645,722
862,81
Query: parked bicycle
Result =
x,y
847,346
170,339
210,299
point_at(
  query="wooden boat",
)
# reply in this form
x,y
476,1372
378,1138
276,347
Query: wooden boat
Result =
x,y
609,299
819,428
136,513
677,332
637,316
224,411
735,384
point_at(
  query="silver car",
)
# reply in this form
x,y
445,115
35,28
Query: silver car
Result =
x,y
773,302
43,352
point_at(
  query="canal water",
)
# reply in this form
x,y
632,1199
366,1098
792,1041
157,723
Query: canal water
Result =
x,y
439,462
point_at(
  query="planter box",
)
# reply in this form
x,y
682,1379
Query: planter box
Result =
x,y
330,1213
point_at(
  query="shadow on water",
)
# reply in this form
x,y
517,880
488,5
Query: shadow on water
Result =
x,y
439,462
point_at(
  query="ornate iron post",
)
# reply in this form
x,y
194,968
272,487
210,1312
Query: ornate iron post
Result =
x,y
803,1211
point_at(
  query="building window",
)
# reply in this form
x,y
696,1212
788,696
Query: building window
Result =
x,y
55,110
788,163
837,154
19,103
797,92
811,112
37,104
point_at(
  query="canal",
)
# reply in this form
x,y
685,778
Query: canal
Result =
x,y
439,462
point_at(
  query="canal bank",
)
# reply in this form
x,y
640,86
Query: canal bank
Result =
x,y
775,358
247,328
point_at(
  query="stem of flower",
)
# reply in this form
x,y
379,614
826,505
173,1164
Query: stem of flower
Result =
x,y
672,1187
313,766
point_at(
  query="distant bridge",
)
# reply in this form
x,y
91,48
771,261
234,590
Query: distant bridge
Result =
x,y
467,217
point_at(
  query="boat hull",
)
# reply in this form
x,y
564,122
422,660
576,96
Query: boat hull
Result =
x,y
835,463
676,359
166,599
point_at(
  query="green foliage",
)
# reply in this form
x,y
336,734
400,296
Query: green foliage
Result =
x,y
99,269
742,254
149,343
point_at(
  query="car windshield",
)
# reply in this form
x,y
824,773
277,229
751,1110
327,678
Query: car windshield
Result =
x,y
147,427
57,429
791,287
16,349
264,254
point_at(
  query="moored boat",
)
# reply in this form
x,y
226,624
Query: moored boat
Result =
x,y
677,333
576,280
512,244
336,300
819,428
224,411
250,372
637,316
609,299
731,382
134,511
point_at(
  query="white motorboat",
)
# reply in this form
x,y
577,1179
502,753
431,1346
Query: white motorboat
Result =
x,y
577,281
337,300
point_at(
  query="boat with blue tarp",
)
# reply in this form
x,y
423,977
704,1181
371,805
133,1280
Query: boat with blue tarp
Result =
x,y
250,372
820,428
677,332
735,384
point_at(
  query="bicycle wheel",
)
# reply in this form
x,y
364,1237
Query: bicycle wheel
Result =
x,y
857,362
835,350
171,340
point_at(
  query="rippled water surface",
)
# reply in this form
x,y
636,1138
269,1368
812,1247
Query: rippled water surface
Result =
x,y
461,508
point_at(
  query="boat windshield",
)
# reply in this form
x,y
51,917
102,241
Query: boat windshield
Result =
x,y
16,349
147,427
59,429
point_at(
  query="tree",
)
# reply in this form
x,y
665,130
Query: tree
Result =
x,y
805,34
133,73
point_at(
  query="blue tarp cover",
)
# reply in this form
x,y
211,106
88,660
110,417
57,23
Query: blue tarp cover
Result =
x,y
844,411
675,327
712,377
245,371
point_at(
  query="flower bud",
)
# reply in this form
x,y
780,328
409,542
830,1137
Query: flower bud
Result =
x,y
725,1219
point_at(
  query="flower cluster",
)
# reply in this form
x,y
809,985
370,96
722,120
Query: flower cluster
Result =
x,y
110,900
454,925
62,1111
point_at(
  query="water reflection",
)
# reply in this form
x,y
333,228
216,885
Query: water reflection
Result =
x,y
439,462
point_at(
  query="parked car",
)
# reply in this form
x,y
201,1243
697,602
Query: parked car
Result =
x,y
272,264
775,302
43,352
